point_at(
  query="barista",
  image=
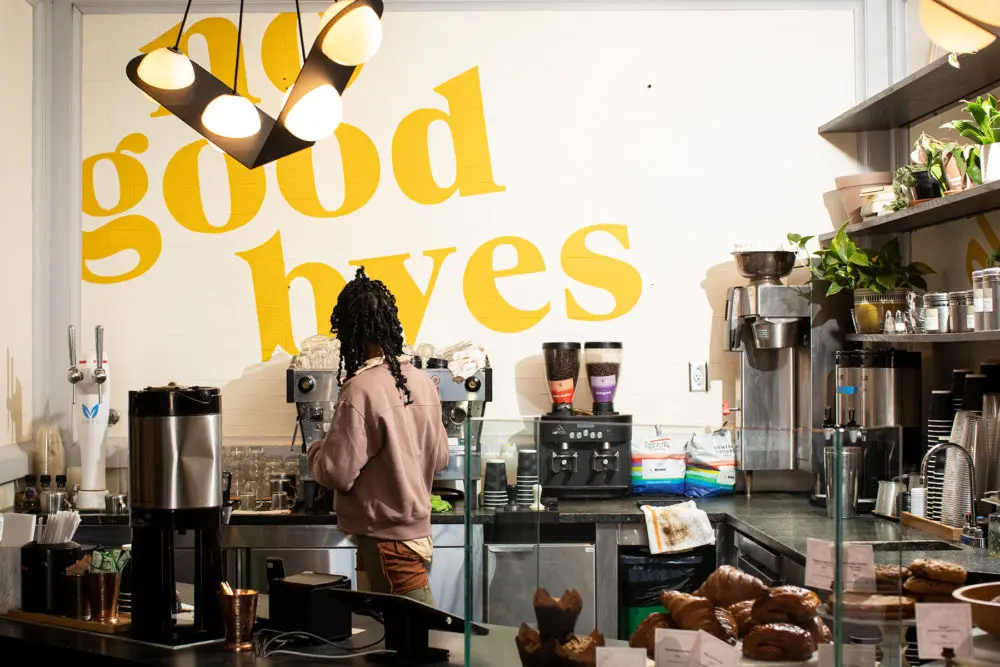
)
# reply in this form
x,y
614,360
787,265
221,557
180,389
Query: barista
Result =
x,y
386,440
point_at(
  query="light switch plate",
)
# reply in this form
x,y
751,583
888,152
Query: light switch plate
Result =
x,y
697,376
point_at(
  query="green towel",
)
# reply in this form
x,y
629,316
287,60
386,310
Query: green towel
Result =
x,y
439,505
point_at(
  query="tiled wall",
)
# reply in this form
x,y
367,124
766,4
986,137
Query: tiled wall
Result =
x,y
15,226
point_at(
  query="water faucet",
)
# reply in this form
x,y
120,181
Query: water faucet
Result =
x,y
74,374
971,534
100,375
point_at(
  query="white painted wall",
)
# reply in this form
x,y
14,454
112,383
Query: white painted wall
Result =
x,y
15,224
696,129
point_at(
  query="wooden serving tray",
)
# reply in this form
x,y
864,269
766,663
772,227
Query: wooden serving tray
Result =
x,y
935,528
123,624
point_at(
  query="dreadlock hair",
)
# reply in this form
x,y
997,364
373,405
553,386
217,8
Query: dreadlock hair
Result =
x,y
366,313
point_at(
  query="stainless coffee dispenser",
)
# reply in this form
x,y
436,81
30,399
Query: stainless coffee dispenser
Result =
x,y
768,324
878,401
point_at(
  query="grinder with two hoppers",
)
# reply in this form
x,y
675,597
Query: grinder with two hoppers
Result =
x,y
92,415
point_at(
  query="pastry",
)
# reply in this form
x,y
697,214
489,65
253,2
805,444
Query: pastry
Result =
x,y
921,587
938,570
579,651
557,616
645,635
785,604
890,578
818,630
778,642
691,612
532,650
741,612
874,606
729,585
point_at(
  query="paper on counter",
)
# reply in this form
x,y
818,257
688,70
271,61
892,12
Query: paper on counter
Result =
x,y
673,647
18,530
710,651
620,657
858,561
941,626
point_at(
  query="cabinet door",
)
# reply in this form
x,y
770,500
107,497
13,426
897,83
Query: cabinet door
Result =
x,y
325,561
514,571
447,578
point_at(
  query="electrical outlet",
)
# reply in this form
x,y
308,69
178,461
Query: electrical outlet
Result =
x,y
697,376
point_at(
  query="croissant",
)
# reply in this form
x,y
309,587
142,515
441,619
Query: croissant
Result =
x,y
691,612
741,612
729,585
645,635
786,604
817,628
778,642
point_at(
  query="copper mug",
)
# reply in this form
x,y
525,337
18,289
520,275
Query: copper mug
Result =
x,y
239,611
102,595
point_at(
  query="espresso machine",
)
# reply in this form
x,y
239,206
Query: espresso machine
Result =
x,y
584,456
877,402
175,461
769,325
314,393
463,405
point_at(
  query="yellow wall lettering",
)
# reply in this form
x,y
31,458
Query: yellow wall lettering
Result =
x,y
480,285
466,120
220,37
411,301
297,177
129,232
132,180
270,290
182,191
280,52
619,278
975,254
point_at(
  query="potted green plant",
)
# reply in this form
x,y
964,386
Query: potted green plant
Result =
x,y
879,279
983,130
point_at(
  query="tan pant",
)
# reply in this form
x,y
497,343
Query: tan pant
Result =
x,y
390,566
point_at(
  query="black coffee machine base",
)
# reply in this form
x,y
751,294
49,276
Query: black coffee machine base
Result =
x,y
585,456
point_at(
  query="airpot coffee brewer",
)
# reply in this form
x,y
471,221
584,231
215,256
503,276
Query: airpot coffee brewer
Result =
x,y
584,456
175,459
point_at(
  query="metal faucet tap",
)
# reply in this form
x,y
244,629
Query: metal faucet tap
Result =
x,y
100,375
74,374
971,534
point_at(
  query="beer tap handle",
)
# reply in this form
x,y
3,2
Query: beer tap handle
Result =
x,y
100,375
73,374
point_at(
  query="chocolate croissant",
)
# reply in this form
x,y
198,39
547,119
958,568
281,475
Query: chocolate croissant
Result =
x,y
741,612
786,604
729,585
778,642
691,612
817,628
645,635
557,616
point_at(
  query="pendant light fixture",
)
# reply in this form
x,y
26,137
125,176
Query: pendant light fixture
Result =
x,y
350,34
961,26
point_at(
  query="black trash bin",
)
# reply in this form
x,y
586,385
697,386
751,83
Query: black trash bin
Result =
x,y
642,577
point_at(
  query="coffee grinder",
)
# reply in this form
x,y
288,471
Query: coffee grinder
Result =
x,y
175,460
584,456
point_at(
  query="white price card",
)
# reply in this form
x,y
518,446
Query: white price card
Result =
x,y
941,626
858,573
674,647
608,656
851,655
712,652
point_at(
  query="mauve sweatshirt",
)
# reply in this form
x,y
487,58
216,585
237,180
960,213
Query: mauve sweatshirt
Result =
x,y
380,455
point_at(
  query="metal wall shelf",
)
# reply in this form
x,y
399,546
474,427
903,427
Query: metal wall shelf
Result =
x,y
977,200
927,338
924,93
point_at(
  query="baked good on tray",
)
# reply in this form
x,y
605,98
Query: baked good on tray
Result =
x,y
778,642
729,585
741,612
692,612
938,570
785,604
557,616
890,578
818,630
645,635
874,606
579,651
928,587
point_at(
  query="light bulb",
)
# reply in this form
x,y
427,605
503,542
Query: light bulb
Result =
x,y
953,33
167,69
316,115
354,38
231,116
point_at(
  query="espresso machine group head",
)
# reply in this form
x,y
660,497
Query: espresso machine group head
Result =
x,y
314,393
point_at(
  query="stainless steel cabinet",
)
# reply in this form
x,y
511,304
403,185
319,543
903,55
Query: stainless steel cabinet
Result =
x,y
514,571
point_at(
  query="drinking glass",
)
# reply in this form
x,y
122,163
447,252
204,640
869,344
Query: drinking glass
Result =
x,y
993,539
